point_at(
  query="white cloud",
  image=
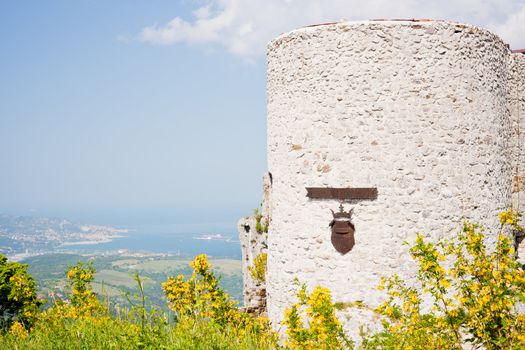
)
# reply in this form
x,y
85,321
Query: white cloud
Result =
x,y
202,12
243,27
512,30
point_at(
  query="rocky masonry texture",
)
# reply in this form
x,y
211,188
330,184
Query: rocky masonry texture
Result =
x,y
419,110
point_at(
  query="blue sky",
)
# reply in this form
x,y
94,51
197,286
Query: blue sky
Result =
x,y
95,127
154,111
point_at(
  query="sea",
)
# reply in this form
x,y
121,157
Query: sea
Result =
x,y
175,240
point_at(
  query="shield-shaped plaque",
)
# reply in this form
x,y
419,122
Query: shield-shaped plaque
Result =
x,y
343,236
342,231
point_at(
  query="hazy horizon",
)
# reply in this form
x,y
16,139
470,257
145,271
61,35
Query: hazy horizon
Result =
x,y
127,219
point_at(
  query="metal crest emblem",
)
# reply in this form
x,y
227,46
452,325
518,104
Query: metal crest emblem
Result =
x,y
342,230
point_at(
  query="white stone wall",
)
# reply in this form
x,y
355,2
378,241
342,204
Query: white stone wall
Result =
x,y
416,109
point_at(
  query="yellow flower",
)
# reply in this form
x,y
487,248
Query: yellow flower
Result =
x,y
395,328
444,283
200,263
414,298
18,330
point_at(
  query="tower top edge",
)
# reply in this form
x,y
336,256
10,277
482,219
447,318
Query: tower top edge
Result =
x,y
376,23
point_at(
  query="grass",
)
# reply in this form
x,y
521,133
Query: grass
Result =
x,y
126,333
224,266
115,278
125,263
159,266
104,289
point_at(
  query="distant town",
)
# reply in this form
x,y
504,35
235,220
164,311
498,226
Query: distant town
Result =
x,y
22,236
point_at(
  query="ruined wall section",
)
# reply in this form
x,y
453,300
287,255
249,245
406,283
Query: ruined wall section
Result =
x,y
417,110
516,105
254,241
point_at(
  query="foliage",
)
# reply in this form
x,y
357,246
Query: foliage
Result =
x,y
322,329
83,322
83,303
261,223
138,306
19,303
200,297
258,270
473,292
124,333
191,333
80,277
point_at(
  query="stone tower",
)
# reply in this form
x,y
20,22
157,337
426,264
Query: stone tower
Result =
x,y
425,113
428,116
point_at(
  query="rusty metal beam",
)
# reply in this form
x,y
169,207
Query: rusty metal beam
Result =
x,y
341,193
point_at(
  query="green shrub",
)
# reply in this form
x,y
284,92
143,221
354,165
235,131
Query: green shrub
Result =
x,y
258,269
474,292
261,223
19,304
200,297
311,322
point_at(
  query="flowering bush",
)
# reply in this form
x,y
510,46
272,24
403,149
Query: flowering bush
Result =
x,y
311,322
258,270
200,297
19,304
473,291
18,330
211,321
83,303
